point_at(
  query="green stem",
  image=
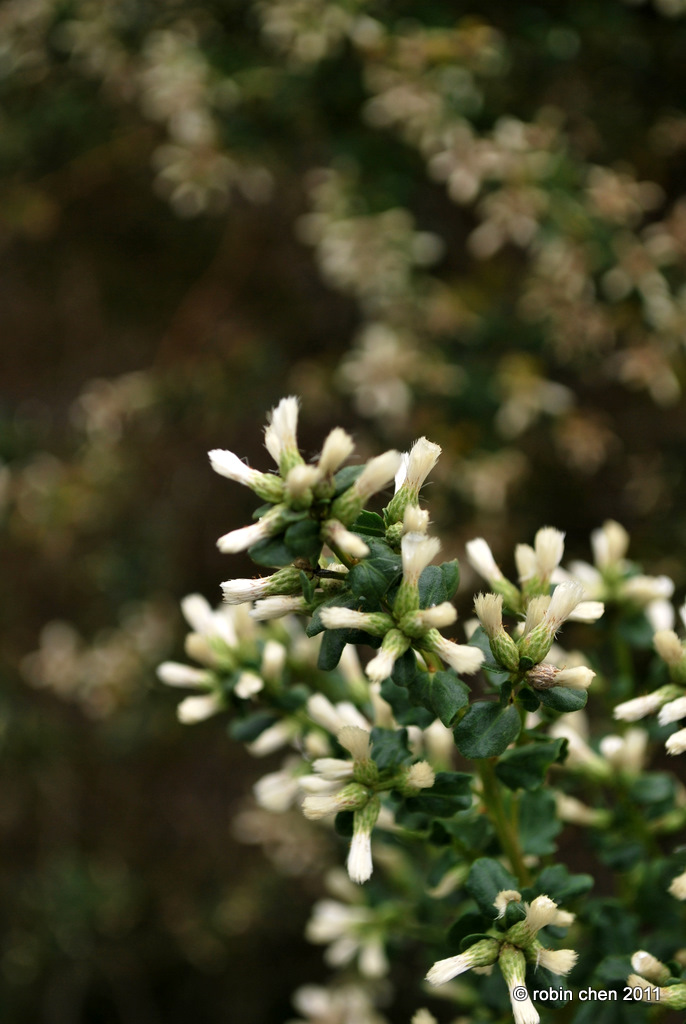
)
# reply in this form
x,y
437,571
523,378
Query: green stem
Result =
x,y
495,806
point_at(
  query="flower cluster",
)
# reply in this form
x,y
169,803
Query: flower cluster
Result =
x,y
513,948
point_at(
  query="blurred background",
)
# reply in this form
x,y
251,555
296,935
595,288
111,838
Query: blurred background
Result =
x,y
463,221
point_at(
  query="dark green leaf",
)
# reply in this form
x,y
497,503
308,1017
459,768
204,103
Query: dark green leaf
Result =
x,y
292,698
469,940
271,552
438,583
308,586
487,877
557,883
487,729
451,792
441,692
333,642
345,478
371,578
405,711
343,823
389,747
245,730
528,699
563,698
369,524
405,670
526,767
538,822
303,540
468,924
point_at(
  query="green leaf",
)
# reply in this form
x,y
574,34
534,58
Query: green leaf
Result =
x,y
343,823
345,478
405,670
526,767
487,729
371,578
405,711
272,552
389,748
451,792
487,877
303,540
528,699
441,692
245,730
333,642
438,583
557,883
538,823
308,586
563,698
469,923
369,524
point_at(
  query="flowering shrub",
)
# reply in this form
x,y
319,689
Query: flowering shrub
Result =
x,y
449,769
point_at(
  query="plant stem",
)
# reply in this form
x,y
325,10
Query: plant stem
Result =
x,y
495,806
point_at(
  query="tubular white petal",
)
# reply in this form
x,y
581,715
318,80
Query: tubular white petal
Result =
x,y
417,552
564,600
638,707
198,613
280,434
480,557
489,611
672,712
559,961
676,743
587,611
668,646
609,544
540,912
378,472
173,673
278,606
276,792
356,741
549,545
445,970
578,678
462,657
248,685
229,465
359,862
242,539
380,667
677,887
337,447
525,560
437,617
197,709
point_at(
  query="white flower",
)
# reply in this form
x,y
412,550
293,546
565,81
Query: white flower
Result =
x,y
243,538
540,912
677,887
559,961
356,741
504,898
549,545
248,685
277,791
344,540
359,862
676,743
650,967
672,712
416,465
229,465
578,678
479,955
668,646
461,657
337,447
481,558
280,433
563,601
417,552
610,544
489,610
334,717
277,606
378,472
197,709
173,673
